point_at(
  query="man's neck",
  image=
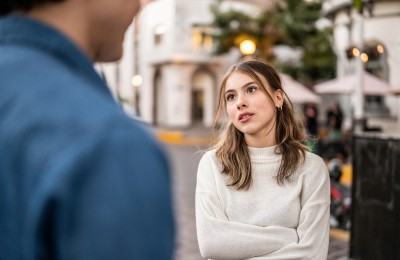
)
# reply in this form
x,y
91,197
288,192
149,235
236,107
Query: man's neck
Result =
x,y
69,19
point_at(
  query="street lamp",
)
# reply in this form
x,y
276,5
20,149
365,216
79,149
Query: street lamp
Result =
x,y
247,47
359,115
136,81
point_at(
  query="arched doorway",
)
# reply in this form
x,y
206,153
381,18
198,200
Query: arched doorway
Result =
x,y
203,97
197,103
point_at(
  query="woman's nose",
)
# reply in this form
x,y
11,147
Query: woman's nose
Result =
x,y
241,102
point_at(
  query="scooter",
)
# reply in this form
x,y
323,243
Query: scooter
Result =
x,y
340,197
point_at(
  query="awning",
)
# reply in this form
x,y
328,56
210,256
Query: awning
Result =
x,y
373,86
297,92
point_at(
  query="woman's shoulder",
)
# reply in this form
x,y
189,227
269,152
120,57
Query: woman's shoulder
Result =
x,y
208,168
209,155
314,163
210,161
313,158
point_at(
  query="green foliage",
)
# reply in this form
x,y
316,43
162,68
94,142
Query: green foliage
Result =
x,y
358,5
232,24
296,19
318,58
290,22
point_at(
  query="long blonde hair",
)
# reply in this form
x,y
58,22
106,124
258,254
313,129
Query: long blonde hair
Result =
x,y
231,148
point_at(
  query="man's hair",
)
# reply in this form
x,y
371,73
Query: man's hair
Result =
x,y
8,6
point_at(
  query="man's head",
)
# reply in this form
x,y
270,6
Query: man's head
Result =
x,y
97,27
8,6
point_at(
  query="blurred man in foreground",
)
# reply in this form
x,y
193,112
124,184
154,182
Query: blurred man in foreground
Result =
x,y
79,179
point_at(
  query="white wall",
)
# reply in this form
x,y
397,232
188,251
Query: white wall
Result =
x,y
153,14
177,59
380,27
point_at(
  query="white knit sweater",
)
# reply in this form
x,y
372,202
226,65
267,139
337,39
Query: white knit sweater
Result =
x,y
268,221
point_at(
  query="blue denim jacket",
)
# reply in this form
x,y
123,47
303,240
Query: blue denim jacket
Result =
x,y
78,178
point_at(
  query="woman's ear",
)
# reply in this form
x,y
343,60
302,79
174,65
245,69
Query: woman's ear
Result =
x,y
279,98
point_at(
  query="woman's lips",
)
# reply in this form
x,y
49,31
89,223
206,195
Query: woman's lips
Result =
x,y
243,118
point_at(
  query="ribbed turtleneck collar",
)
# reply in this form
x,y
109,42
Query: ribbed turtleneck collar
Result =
x,y
264,153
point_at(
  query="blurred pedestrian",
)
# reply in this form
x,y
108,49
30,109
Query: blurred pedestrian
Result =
x,y
310,112
260,193
79,179
311,117
334,119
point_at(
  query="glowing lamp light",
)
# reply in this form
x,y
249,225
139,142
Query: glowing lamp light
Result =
x,y
160,29
364,57
136,81
356,52
380,48
247,47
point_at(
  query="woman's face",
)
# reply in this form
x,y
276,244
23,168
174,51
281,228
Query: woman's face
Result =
x,y
250,109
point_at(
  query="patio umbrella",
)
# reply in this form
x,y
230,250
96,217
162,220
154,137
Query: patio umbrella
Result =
x,y
373,86
298,93
395,91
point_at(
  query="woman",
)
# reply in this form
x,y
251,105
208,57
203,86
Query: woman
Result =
x,y
260,194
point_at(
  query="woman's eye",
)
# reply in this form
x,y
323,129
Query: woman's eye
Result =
x,y
230,97
251,89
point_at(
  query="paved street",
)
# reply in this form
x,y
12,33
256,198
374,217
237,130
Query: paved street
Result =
x,y
184,160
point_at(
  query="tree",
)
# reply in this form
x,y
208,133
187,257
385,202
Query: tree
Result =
x,y
233,26
289,22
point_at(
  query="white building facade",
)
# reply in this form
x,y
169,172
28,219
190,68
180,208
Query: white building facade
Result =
x,y
169,49
181,77
379,38
179,74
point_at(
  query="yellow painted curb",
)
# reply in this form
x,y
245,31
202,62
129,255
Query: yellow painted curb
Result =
x,y
340,234
178,137
170,136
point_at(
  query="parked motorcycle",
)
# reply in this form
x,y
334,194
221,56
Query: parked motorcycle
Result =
x,y
340,197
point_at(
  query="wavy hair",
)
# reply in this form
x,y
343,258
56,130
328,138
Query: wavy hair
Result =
x,y
8,6
231,148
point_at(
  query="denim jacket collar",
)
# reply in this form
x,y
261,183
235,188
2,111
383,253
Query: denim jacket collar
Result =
x,y
21,30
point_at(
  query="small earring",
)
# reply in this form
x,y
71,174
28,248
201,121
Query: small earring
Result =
x,y
279,108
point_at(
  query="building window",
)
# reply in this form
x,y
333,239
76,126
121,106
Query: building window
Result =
x,y
158,33
201,37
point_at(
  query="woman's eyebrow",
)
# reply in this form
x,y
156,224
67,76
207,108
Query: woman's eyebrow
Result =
x,y
244,86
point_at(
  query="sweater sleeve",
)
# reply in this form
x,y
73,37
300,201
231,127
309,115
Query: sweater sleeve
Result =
x,y
220,238
313,229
